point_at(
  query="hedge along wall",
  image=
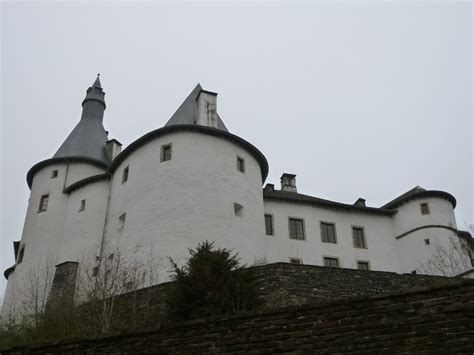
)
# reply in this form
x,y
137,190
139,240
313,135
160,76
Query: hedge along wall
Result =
x,y
436,319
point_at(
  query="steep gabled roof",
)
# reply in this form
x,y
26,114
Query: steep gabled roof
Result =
x,y
187,112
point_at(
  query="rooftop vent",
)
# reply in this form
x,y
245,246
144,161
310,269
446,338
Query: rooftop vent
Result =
x,y
360,202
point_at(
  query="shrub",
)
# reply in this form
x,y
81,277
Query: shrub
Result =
x,y
212,282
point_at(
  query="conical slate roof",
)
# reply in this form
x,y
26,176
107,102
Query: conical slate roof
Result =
x,y
187,112
87,139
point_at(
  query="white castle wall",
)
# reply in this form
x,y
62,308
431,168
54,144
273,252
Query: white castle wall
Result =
x,y
412,250
378,233
173,205
43,232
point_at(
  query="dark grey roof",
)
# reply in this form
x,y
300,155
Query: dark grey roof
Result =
x,y
419,192
300,198
87,139
187,112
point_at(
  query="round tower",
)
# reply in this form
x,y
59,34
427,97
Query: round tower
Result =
x,y
39,250
185,183
426,233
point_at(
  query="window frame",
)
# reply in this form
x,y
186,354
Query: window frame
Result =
x,y
353,228
82,205
425,208
303,227
240,164
43,207
358,262
321,231
125,173
121,221
165,148
21,254
271,224
338,261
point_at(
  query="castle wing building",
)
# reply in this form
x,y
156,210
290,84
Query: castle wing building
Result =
x,y
192,180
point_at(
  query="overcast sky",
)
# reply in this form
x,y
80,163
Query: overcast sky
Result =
x,y
358,99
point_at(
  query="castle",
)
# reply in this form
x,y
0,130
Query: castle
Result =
x,y
192,180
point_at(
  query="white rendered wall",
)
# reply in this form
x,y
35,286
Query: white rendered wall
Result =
x,y
173,205
83,230
413,252
378,233
42,233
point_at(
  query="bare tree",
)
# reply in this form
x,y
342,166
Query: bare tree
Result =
x,y
448,260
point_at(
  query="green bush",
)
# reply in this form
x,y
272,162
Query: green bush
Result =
x,y
212,282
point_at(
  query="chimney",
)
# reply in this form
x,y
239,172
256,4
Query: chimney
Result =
x,y
360,202
269,187
288,182
207,109
112,148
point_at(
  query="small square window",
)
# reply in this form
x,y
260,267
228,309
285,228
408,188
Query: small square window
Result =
x,y
296,228
331,262
358,238
296,261
268,224
328,232
82,205
21,253
121,221
95,271
241,164
425,208
427,241
43,205
54,174
238,209
165,152
363,265
125,175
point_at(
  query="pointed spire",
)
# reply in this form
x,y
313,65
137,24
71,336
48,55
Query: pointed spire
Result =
x,y
95,93
87,140
97,82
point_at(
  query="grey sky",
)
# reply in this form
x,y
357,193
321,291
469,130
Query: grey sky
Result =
x,y
357,99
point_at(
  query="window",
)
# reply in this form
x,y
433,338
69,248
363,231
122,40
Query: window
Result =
x,y
358,237
125,175
82,206
425,208
54,174
238,209
165,152
296,228
331,262
121,221
427,241
95,271
268,224
296,261
328,232
21,253
363,265
241,164
43,205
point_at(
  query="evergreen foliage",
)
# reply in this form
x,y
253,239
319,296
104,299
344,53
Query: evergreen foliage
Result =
x,y
212,282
